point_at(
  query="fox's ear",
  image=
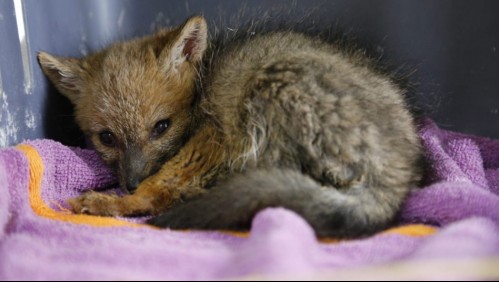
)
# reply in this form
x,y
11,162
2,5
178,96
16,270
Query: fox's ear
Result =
x,y
64,73
190,43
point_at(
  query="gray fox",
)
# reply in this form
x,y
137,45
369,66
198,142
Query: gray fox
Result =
x,y
204,136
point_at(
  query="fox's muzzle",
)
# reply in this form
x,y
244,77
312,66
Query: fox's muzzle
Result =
x,y
134,169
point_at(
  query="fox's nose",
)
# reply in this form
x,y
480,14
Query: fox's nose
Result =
x,y
133,168
132,184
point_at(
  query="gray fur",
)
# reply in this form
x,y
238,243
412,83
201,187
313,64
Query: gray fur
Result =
x,y
309,128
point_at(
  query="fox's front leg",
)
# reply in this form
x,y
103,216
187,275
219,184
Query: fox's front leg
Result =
x,y
140,203
182,177
153,196
96,203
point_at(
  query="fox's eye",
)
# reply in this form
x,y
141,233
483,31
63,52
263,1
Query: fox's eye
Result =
x,y
160,127
107,139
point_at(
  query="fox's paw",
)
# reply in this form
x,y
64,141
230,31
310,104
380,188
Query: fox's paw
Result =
x,y
96,204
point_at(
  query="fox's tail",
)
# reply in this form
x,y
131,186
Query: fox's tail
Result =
x,y
232,204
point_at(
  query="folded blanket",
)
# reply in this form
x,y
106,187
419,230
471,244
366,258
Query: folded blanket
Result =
x,y
463,178
452,223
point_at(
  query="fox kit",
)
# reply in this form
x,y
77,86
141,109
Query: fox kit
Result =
x,y
203,135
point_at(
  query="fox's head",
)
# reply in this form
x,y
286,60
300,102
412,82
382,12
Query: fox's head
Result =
x,y
135,99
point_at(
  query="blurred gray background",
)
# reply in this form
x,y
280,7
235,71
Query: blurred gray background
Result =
x,y
452,46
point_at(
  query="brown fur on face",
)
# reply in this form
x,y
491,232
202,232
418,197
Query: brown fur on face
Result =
x,y
127,89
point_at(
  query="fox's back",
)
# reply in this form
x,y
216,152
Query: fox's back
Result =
x,y
293,101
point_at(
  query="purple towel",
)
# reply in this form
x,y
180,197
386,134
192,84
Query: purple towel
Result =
x,y
461,198
463,179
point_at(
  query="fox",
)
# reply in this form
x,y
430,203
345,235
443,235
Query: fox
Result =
x,y
203,135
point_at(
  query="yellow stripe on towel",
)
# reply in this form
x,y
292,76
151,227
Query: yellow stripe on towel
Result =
x,y
42,209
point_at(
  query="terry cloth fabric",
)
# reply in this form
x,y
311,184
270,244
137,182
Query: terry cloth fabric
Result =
x,y
463,178
448,229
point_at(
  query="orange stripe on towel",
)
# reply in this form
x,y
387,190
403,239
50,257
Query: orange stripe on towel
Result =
x,y
414,230
42,209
